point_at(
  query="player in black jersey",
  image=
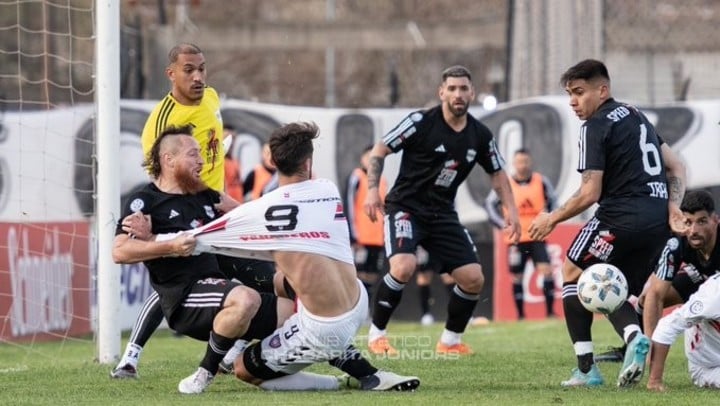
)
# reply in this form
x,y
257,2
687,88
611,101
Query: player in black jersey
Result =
x,y
686,262
638,183
440,147
193,290
196,297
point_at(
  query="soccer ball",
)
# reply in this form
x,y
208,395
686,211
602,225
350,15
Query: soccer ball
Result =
x,y
602,288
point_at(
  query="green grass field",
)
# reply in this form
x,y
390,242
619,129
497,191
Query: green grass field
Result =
x,y
514,364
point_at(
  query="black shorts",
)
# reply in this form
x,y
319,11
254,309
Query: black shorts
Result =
x,y
687,283
194,317
196,313
519,254
635,253
371,259
252,273
443,237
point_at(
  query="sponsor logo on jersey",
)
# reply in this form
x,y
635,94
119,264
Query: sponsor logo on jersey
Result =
x,y
471,154
173,214
601,248
137,205
209,211
440,148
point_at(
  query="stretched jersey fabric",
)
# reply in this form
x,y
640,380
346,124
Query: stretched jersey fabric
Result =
x,y
620,141
173,277
207,126
303,217
699,318
679,256
436,159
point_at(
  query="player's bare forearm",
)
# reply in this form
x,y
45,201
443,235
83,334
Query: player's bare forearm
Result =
x,y
501,186
676,189
652,311
658,356
375,168
582,199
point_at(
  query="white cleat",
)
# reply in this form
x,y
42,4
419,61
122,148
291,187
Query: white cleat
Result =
x,y
389,381
196,383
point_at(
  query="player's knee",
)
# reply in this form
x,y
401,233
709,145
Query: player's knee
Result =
x,y
244,301
402,266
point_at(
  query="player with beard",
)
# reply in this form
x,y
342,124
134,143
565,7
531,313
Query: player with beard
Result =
x,y
440,147
196,297
190,102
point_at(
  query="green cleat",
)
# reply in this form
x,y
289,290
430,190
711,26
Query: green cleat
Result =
x,y
590,379
634,361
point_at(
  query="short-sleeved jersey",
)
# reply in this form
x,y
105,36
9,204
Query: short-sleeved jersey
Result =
x,y
172,277
436,159
678,255
207,126
699,318
620,141
304,217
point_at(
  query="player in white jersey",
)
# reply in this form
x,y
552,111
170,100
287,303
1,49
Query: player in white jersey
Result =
x,y
306,217
301,227
699,319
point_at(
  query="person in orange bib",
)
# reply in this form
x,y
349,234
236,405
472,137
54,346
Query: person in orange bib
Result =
x,y
533,194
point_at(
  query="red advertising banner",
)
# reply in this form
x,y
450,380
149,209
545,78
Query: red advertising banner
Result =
x,y
44,280
503,303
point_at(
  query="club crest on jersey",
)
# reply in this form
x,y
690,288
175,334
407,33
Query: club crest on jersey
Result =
x,y
275,341
339,212
195,223
209,211
416,117
470,156
137,205
696,307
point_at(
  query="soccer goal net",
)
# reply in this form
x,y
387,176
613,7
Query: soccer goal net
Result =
x,y
48,150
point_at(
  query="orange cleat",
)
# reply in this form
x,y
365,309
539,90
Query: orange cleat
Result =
x,y
457,349
381,346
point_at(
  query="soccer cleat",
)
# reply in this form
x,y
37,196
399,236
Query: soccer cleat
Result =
x,y
226,368
196,383
389,381
590,379
634,361
427,319
613,354
381,346
124,372
455,349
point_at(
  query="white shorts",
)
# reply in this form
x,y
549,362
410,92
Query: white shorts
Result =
x,y
704,377
305,339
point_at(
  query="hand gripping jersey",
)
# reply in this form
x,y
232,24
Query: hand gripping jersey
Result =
x,y
699,318
303,217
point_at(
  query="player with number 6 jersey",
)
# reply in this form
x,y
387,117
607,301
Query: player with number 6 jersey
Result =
x,y
638,183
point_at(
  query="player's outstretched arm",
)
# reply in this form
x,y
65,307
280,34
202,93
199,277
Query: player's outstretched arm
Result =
x,y
373,203
588,194
654,303
676,181
658,355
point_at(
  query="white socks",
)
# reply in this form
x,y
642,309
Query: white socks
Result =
x,y
302,381
131,355
233,352
450,337
374,333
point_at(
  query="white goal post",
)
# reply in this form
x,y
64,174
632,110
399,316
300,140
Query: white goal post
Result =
x,y
107,136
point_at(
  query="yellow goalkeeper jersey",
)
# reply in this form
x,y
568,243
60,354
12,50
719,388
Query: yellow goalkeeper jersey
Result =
x,y
207,129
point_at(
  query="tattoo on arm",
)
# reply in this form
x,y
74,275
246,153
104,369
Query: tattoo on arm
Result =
x,y
375,169
675,189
